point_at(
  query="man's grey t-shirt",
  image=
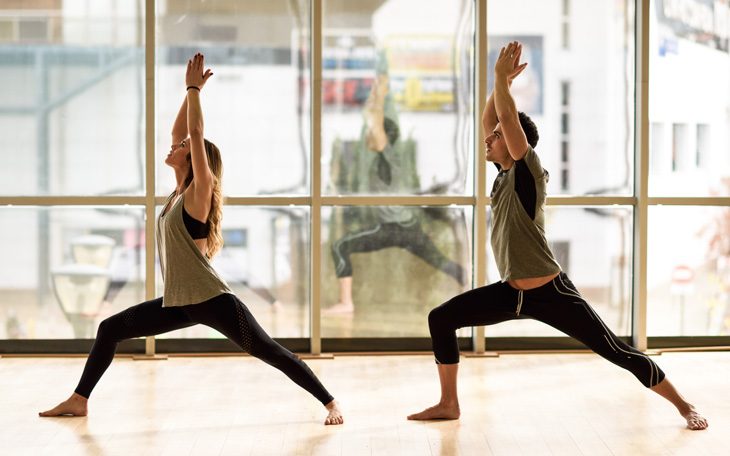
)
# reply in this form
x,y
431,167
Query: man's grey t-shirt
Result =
x,y
518,221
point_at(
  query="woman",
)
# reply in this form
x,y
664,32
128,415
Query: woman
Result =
x,y
188,236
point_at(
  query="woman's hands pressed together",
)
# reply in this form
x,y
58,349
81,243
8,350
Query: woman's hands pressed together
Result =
x,y
194,76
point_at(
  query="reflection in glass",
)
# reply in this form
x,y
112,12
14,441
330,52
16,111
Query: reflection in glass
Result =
x,y
585,109
593,246
689,128
265,261
688,276
256,104
63,69
70,268
385,267
397,97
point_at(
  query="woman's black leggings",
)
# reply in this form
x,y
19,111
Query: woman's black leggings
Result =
x,y
224,313
556,303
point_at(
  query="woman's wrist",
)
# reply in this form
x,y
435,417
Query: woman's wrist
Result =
x,y
193,87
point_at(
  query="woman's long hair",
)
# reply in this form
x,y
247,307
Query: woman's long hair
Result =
x,y
215,239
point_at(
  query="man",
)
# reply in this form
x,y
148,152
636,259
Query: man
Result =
x,y
532,286
389,171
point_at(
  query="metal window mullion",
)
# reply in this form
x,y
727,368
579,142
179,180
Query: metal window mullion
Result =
x,y
316,187
149,225
71,200
688,201
364,200
263,200
439,200
641,176
396,200
591,200
480,216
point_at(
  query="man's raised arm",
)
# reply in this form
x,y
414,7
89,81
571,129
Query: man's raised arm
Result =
x,y
506,69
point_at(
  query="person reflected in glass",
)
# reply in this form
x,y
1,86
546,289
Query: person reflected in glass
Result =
x,y
188,236
389,171
533,285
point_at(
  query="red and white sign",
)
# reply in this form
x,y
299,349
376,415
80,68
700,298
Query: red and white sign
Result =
x,y
683,278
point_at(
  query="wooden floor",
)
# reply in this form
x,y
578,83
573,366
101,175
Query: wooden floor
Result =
x,y
560,404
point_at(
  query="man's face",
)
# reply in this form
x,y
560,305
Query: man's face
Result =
x,y
496,147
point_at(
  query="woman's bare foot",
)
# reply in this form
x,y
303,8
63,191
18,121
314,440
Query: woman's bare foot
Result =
x,y
334,415
439,411
695,421
75,405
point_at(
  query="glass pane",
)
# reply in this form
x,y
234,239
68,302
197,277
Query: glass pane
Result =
x,y
64,69
593,246
256,104
584,111
690,121
71,268
688,277
397,97
265,260
384,268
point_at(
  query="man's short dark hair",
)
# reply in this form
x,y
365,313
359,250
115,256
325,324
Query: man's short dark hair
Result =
x,y
530,129
391,130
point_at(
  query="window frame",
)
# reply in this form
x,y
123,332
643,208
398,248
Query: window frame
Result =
x,y
479,200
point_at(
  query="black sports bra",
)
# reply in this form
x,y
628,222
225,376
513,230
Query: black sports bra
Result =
x,y
196,228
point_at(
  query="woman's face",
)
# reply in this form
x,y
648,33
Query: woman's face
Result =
x,y
177,157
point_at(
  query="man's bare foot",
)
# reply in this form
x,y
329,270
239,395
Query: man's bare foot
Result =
x,y
695,421
334,415
438,412
340,309
75,405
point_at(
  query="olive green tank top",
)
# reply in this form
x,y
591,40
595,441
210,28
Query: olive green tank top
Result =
x,y
189,278
520,248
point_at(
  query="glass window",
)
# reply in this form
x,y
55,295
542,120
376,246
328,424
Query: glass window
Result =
x,y
703,145
66,269
682,159
33,30
688,276
699,112
564,179
565,35
64,69
599,116
661,153
265,261
593,246
398,111
385,267
397,97
256,104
